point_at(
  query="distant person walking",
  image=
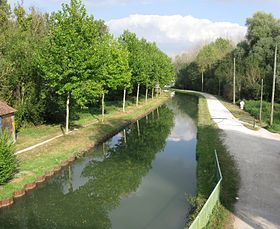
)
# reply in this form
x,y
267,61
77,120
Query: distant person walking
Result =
x,y
242,104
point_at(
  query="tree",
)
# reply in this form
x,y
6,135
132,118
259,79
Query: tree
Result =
x,y
68,59
5,12
115,74
135,59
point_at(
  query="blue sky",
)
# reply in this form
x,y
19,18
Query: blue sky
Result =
x,y
167,21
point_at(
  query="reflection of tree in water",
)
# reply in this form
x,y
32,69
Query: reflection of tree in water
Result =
x,y
109,180
186,103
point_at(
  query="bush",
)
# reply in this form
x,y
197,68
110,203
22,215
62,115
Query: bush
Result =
x,y
8,162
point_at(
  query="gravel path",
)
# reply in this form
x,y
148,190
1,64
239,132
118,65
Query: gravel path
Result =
x,y
257,154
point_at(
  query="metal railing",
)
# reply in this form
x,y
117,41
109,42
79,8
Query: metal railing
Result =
x,y
203,217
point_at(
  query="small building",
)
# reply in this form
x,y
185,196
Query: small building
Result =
x,y
7,120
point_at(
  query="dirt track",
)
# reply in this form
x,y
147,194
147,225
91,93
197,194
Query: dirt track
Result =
x,y
257,154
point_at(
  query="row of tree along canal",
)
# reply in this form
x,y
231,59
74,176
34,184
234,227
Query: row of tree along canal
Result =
x,y
137,179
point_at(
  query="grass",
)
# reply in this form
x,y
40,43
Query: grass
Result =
x,y
209,139
253,106
29,136
245,117
252,112
44,158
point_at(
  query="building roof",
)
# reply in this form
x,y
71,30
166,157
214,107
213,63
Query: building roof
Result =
x,y
6,109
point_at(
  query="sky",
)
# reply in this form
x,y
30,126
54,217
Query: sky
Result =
x,y
175,25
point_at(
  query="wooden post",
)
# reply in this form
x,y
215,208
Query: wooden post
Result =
x,y
137,96
234,80
273,87
260,117
67,113
124,93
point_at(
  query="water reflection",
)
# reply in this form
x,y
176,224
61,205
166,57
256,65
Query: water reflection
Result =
x,y
185,118
137,179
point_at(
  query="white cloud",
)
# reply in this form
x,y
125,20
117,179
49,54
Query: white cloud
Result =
x,y
176,33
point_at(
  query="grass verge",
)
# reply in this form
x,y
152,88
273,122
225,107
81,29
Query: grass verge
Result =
x,y
36,162
246,118
31,135
210,138
252,112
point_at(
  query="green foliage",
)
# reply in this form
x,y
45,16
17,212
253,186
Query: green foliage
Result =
x,y
253,107
45,58
149,65
67,59
8,162
254,58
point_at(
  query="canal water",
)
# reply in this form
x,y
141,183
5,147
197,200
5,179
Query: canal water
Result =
x,y
138,179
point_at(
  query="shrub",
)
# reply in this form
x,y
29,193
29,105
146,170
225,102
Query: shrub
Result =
x,y
8,161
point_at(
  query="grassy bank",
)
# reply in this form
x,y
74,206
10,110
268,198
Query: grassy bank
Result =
x,y
253,107
252,112
31,135
44,158
209,139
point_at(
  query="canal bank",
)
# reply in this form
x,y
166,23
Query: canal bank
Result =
x,y
37,162
209,139
137,179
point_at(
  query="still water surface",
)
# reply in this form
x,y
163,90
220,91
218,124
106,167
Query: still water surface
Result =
x,y
138,179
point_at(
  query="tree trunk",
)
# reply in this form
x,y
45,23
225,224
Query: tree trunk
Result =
x,y
124,94
103,107
67,113
103,150
22,93
124,135
138,128
70,178
147,90
202,81
137,96
152,93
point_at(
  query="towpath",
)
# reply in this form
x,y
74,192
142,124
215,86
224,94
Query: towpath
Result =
x,y
257,154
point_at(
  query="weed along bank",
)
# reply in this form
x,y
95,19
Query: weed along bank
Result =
x,y
7,120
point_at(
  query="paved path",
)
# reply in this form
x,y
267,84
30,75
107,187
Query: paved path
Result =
x,y
257,154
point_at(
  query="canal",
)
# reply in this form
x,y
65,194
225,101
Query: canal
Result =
x,y
138,179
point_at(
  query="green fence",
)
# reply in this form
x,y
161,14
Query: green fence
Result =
x,y
202,218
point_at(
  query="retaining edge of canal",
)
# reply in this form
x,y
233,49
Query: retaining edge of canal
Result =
x,y
30,186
